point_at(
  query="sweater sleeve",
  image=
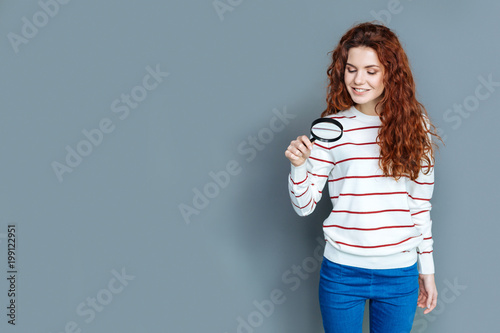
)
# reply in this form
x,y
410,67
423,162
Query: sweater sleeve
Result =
x,y
419,196
306,182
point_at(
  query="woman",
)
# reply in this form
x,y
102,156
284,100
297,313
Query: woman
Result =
x,y
380,177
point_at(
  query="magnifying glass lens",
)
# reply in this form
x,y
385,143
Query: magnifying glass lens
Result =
x,y
326,130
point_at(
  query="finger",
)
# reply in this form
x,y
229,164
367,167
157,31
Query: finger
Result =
x,y
420,295
422,298
290,155
423,292
302,149
296,149
305,141
422,302
431,303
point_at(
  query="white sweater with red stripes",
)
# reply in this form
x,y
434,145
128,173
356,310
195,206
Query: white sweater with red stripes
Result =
x,y
376,221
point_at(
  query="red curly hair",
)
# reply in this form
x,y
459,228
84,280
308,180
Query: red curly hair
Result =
x,y
405,135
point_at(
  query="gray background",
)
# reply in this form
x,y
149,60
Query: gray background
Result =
x,y
120,208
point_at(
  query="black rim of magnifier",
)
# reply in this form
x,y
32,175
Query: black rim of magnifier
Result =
x,y
327,120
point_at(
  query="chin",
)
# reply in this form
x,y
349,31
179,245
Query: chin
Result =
x,y
358,100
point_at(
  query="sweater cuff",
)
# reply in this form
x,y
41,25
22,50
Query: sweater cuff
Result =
x,y
299,173
426,263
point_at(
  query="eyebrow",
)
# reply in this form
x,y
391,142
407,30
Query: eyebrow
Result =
x,y
365,66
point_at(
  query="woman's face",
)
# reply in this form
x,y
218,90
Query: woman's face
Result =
x,y
363,71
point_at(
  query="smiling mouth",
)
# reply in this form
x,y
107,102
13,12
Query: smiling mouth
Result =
x,y
360,90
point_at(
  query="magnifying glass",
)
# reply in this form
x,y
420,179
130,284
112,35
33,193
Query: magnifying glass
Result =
x,y
326,130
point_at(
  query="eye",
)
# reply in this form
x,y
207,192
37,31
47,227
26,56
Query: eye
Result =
x,y
351,71
372,73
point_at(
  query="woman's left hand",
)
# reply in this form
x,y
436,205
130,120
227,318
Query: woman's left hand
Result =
x,y
427,297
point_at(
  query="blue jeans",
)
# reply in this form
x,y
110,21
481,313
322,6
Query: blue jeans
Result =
x,y
392,295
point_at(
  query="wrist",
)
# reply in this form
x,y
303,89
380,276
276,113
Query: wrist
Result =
x,y
298,173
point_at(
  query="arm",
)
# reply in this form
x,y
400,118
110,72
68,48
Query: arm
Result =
x,y
419,196
308,175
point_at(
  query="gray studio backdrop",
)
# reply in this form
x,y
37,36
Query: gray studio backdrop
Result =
x,y
143,178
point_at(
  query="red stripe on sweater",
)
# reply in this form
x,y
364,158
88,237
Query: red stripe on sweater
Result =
x,y
368,229
372,212
317,174
359,158
427,238
375,246
340,117
414,198
294,183
353,177
426,252
423,211
362,194
317,159
317,144
361,128
352,143
298,196
423,183
305,205
377,193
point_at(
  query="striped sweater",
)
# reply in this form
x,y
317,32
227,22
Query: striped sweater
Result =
x,y
376,222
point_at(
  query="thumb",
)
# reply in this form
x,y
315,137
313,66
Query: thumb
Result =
x,y
431,300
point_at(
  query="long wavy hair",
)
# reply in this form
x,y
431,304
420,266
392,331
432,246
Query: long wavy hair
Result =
x,y
404,137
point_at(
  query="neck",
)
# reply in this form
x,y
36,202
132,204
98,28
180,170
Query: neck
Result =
x,y
368,108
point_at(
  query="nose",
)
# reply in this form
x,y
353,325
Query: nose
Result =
x,y
359,78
